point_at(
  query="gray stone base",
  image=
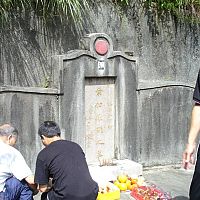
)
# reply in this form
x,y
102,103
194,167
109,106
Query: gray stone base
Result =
x,y
102,174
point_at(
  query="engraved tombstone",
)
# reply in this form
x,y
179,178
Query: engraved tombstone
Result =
x,y
98,106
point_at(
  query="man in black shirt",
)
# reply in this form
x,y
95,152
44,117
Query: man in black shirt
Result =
x,y
188,155
63,162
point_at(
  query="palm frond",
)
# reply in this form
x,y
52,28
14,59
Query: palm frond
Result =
x,y
65,9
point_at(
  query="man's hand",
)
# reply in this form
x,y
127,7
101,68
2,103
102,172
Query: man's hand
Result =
x,y
188,155
32,184
43,188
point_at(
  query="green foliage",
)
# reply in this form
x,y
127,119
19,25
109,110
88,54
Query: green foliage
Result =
x,y
46,83
183,9
76,10
68,9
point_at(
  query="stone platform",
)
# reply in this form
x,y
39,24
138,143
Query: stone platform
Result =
x,y
102,174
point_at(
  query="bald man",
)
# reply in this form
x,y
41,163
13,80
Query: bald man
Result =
x,y
16,178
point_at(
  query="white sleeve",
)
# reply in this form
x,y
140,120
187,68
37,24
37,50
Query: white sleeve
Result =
x,y
19,168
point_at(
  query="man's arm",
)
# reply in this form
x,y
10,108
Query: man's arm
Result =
x,y
193,133
32,184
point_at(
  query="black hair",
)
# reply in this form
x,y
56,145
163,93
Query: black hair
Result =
x,y
49,129
8,129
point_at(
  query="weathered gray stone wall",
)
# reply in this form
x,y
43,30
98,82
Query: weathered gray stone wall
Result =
x,y
163,120
25,109
168,54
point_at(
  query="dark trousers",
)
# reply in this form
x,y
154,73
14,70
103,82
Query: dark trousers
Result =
x,y
16,190
2,196
195,184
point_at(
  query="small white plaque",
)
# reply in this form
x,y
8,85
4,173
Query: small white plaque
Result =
x,y
101,65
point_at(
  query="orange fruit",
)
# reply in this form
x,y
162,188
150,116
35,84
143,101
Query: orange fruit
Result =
x,y
134,180
122,178
133,186
128,184
122,186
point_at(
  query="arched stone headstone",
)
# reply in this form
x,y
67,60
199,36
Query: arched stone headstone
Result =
x,y
98,107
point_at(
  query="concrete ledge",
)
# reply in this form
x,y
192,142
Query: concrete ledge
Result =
x,y
147,85
37,90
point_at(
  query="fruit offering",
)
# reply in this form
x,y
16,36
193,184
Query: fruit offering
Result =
x,y
149,193
125,182
108,191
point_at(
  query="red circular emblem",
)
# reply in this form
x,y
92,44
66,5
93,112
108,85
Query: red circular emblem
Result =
x,y
101,46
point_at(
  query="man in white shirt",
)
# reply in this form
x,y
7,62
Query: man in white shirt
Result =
x,y
16,178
